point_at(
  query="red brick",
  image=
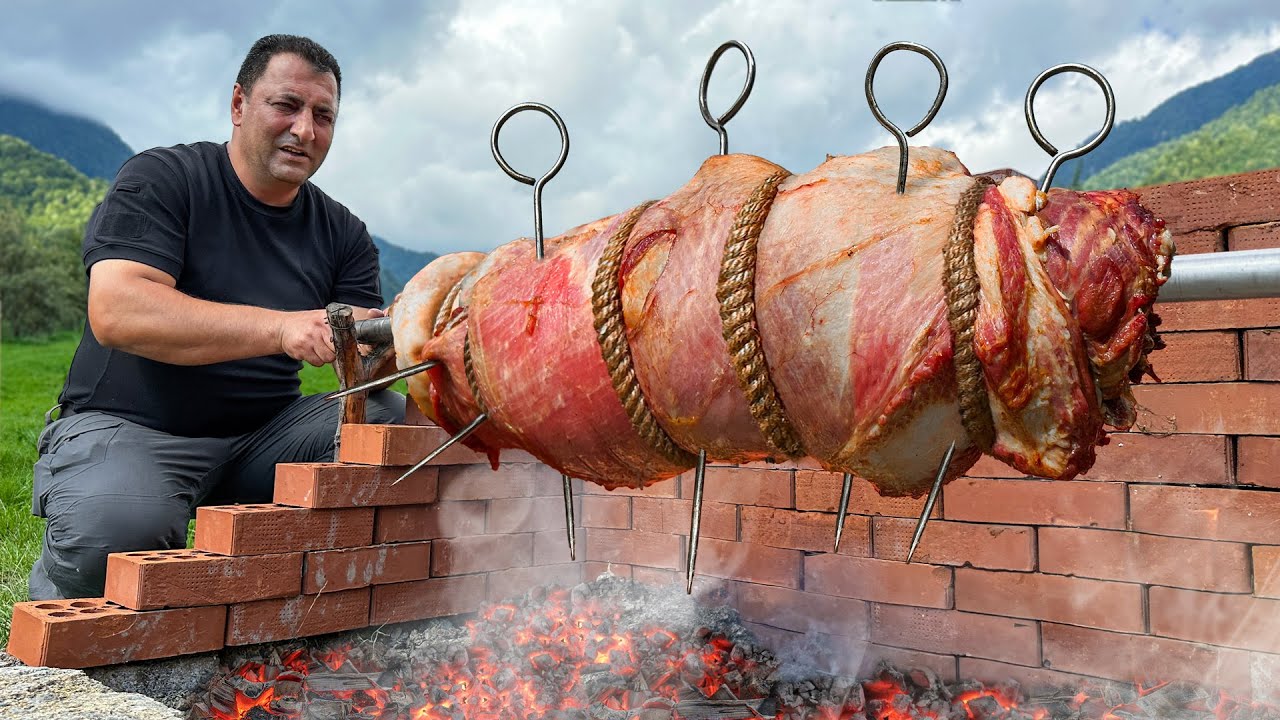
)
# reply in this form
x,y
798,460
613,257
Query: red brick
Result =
x,y
1075,601
956,633
1199,241
333,485
1245,408
299,616
805,530
1251,516
803,611
266,529
668,515
413,415
1129,658
817,490
479,482
1238,621
1259,461
1266,678
519,515
749,561
1033,680
656,577
878,580
1266,571
743,486
91,631
150,580
1216,202
634,547
401,445
551,484
1189,357
480,553
551,547
944,666
333,570
1191,459
1254,237
1035,502
421,599
1219,314
665,488
1146,559
427,522
996,547
1262,355
508,584
594,570
603,511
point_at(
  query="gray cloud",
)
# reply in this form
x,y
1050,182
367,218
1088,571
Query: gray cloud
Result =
x,y
423,84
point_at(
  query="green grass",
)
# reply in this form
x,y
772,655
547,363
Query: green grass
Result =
x,y
31,375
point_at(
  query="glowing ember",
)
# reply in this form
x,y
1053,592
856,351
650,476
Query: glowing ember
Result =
x,y
572,655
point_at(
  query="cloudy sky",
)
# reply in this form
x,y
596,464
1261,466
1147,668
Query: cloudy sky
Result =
x,y
424,83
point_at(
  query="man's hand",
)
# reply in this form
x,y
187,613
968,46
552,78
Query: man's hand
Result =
x,y
306,336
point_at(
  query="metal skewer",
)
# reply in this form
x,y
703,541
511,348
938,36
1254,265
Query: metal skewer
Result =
x,y
1029,111
462,435
843,511
539,182
699,476
407,372
717,124
538,239
928,504
568,516
933,109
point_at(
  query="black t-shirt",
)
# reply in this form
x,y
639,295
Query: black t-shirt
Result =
x,y
184,210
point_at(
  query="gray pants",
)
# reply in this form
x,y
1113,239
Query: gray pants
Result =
x,y
110,485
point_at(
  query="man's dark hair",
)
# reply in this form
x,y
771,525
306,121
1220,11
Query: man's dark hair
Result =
x,y
255,63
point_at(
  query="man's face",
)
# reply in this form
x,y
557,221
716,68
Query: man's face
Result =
x,y
285,122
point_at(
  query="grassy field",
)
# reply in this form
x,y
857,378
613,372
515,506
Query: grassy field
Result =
x,y
31,376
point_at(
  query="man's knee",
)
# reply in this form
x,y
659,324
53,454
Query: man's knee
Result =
x,y
80,534
386,407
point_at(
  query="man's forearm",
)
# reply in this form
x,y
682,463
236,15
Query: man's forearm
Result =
x,y
162,323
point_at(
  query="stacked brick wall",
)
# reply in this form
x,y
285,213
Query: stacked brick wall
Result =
x,y
1162,563
341,548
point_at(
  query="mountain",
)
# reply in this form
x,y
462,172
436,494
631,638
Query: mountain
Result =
x,y
91,147
399,265
1177,116
45,190
1246,137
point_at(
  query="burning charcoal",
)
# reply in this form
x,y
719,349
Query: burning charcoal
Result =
x,y
985,707
922,678
318,709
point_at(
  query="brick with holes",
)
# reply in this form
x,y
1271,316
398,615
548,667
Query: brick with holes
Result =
x,y
90,632
149,580
266,529
338,485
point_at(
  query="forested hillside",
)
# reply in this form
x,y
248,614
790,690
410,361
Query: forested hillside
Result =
x,y
91,147
1245,138
44,204
1185,112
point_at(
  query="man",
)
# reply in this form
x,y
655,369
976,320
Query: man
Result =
x,y
209,267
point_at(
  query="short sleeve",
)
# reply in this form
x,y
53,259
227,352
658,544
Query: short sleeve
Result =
x,y
358,281
143,218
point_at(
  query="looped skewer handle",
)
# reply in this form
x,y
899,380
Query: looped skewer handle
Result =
x,y
537,183
933,109
718,123
1059,158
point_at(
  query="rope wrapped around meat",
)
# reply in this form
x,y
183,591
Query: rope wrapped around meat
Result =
x,y
759,315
